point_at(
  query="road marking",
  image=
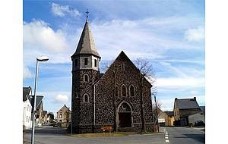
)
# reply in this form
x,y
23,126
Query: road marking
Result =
x,y
166,136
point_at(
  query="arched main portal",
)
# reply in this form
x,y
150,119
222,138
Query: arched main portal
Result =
x,y
124,115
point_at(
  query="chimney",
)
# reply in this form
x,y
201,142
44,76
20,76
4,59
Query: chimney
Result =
x,y
194,98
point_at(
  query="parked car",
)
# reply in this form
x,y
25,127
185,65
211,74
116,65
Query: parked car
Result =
x,y
199,123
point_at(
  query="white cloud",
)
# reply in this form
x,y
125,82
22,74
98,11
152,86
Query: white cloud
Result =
x,y
61,98
149,37
62,11
40,35
180,82
196,34
40,39
27,73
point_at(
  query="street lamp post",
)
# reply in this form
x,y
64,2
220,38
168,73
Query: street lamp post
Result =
x,y
40,59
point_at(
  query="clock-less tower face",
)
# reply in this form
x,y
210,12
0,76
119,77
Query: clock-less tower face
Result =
x,y
85,72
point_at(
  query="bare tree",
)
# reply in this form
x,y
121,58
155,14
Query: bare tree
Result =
x,y
147,71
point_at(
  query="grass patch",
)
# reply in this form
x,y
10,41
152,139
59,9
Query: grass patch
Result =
x,y
89,135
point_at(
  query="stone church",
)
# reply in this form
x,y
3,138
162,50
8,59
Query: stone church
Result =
x,y
120,98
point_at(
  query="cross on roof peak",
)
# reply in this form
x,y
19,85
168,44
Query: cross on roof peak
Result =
x,y
87,15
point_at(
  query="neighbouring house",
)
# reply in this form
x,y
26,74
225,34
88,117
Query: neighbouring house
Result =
x,y
44,117
119,99
27,108
39,109
170,118
50,118
184,108
197,119
64,116
165,118
202,109
162,116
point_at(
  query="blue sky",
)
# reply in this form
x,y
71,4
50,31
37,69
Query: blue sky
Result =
x,y
168,33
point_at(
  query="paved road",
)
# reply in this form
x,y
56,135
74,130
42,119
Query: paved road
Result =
x,y
175,135
48,135
184,135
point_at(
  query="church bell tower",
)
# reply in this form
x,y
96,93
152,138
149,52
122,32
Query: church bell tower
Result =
x,y
85,72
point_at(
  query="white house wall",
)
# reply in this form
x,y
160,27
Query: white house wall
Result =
x,y
27,108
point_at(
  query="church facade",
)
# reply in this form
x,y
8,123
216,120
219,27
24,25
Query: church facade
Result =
x,y
119,98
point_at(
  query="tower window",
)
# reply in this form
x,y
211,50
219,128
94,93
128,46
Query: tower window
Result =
x,y
86,78
124,92
132,90
86,98
95,62
76,62
86,61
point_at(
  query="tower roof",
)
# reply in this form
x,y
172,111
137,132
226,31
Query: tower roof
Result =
x,y
86,43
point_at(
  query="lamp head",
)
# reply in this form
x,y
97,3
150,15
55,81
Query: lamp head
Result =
x,y
42,58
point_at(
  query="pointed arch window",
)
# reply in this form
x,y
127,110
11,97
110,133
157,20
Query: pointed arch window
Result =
x,y
124,90
86,78
132,90
86,98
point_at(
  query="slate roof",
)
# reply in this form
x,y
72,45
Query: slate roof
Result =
x,y
86,43
186,103
26,92
202,108
38,100
64,107
123,57
169,113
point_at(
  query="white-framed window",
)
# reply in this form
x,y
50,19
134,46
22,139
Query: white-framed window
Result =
x,y
85,61
95,62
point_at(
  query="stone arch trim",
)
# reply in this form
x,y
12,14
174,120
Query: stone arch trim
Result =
x,y
128,112
120,104
86,98
86,78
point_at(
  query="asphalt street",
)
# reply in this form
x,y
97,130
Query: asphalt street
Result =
x,y
184,135
50,135
167,135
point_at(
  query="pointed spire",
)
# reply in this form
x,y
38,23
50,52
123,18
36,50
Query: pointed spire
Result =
x,y
86,43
